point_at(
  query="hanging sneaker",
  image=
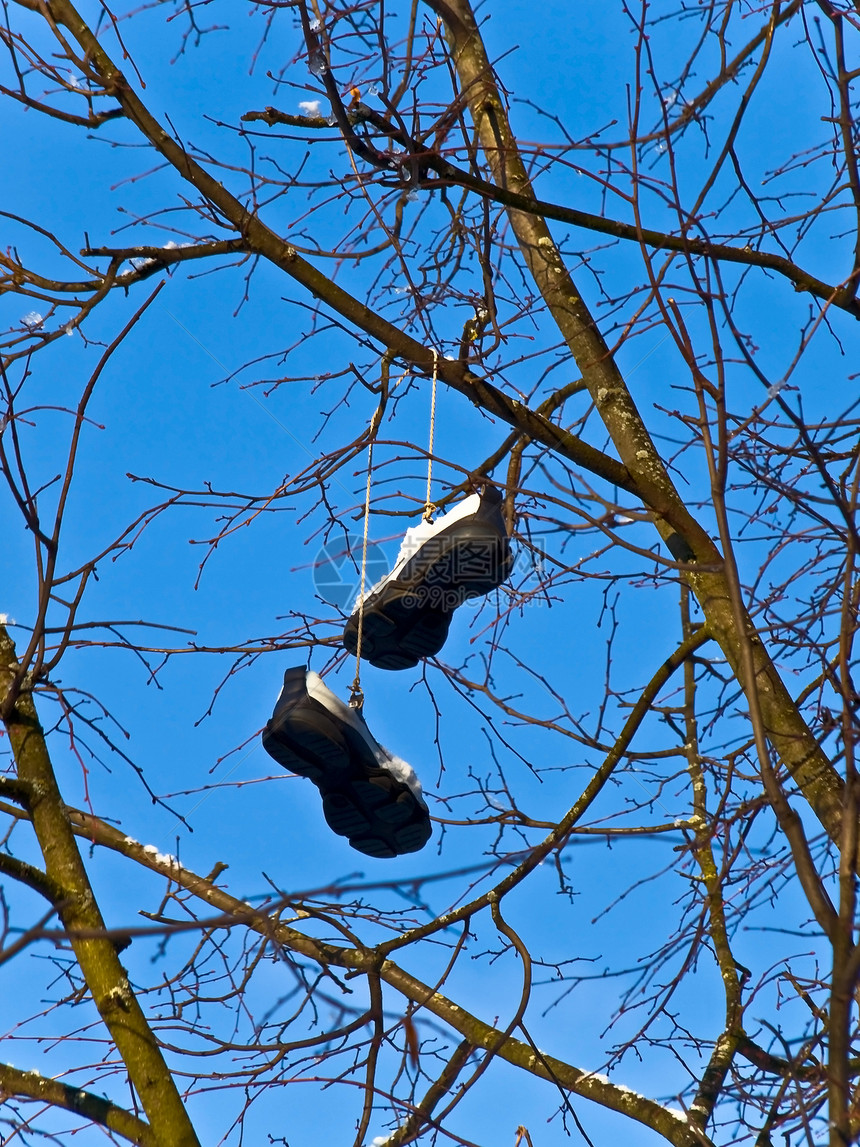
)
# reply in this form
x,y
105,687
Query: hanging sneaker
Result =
x,y
369,796
463,554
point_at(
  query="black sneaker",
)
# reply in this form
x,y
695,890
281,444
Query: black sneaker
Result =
x,y
441,564
368,794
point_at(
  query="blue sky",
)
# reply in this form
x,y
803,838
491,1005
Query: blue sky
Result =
x,y
164,412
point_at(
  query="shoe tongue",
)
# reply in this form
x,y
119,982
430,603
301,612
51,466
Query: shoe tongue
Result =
x,y
413,538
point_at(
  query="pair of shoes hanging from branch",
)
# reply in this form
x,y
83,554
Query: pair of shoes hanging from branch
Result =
x,y
369,795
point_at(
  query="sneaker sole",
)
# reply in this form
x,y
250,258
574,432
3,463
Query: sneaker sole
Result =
x,y
400,636
379,814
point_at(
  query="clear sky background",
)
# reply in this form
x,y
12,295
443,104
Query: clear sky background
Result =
x,y
172,409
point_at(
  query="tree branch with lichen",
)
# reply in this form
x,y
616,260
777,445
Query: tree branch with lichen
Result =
x,y
76,906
